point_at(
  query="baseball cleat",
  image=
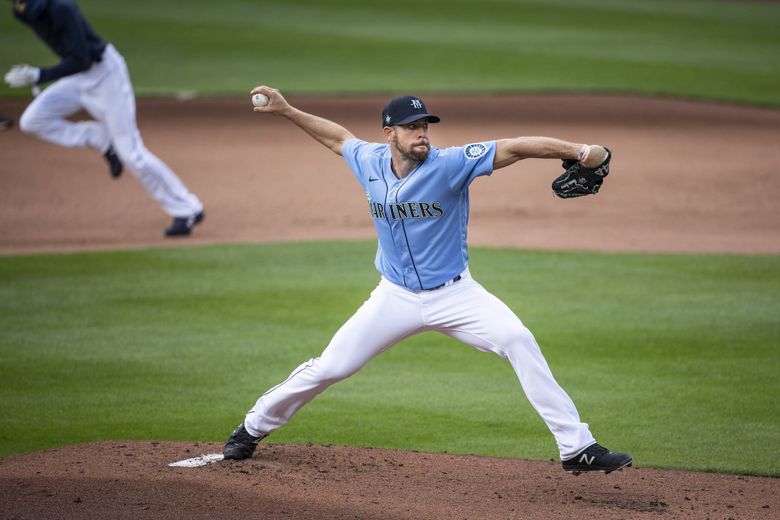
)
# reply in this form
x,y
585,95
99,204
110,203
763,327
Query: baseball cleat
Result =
x,y
240,445
114,164
182,226
597,458
5,123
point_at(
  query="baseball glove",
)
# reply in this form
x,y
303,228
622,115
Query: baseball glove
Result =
x,y
578,180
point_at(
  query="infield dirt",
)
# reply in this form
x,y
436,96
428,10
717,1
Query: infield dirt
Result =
x,y
686,177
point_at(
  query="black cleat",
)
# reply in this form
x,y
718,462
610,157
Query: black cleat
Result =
x,y
597,458
182,226
240,445
115,166
5,122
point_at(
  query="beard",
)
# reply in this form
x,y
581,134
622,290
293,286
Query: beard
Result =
x,y
416,152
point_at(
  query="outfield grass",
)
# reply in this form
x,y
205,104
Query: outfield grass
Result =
x,y
673,357
692,48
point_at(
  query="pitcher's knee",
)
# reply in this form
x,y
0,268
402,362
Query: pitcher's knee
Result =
x,y
520,338
330,374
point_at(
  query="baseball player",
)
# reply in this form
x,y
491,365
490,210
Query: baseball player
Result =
x,y
418,197
93,76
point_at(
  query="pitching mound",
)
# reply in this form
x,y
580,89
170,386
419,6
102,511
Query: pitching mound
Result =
x,y
134,480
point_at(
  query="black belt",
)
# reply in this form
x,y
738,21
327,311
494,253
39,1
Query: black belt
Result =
x,y
445,283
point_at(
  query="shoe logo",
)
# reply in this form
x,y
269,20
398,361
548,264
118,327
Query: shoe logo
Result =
x,y
372,179
584,459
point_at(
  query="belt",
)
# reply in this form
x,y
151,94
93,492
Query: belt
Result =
x,y
445,284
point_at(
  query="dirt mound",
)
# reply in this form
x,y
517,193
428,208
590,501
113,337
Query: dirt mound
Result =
x,y
133,480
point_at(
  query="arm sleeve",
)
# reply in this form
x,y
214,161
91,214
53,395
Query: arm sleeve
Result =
x,y
75,51
356,154
466,163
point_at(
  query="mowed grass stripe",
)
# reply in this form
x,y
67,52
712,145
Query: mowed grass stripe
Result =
x,y
672,357
701,49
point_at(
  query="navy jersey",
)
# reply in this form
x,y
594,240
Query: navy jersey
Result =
x,y
60,24
421,220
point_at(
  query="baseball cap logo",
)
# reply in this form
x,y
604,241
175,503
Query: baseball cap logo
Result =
x,y
405,109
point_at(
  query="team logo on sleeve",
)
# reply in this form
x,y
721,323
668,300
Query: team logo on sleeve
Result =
x,y
474,151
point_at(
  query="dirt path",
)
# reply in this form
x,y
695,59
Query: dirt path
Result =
x,y
686,177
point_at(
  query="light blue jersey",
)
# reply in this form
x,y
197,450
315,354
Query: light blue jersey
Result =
x,y
421,220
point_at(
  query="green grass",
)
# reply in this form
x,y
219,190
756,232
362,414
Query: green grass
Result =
x,y
702,49
673,357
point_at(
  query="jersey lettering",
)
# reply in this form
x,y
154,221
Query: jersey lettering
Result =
x,y
406,210
377,210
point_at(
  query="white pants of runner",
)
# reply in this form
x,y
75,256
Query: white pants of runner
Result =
x,y
106,93
465,311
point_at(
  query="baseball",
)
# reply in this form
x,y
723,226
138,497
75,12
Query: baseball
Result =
x,y
259,100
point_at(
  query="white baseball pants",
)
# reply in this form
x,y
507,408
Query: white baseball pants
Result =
x,y
464,311
105,91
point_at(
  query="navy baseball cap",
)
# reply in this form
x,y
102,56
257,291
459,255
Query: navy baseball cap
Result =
x,y
405,109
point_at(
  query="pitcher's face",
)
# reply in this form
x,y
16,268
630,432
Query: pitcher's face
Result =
x,y
411,140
